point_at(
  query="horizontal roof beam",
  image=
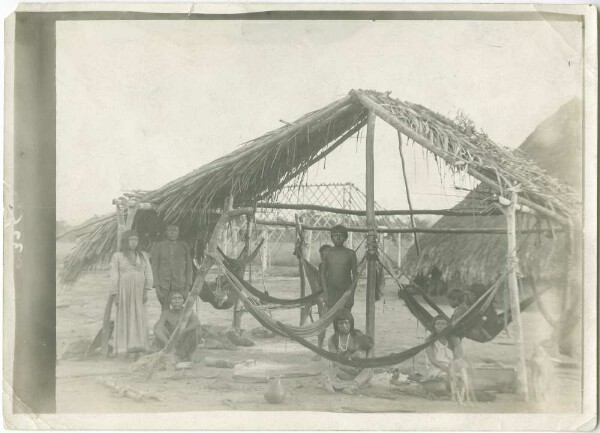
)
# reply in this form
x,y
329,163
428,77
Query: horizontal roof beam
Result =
x,y
455,231
386,212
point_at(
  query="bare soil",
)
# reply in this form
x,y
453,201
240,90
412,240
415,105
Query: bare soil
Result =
x,y
80,390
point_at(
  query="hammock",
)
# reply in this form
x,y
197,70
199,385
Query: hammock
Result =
x,y
265,298
471,317
302,331
464,323
312,275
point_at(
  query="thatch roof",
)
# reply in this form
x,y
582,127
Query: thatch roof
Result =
x,y
259,168
462,260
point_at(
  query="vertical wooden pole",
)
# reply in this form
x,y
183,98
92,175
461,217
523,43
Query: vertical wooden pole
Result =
x,y
237,308
372,234
301,254
308,249
513,288
399,250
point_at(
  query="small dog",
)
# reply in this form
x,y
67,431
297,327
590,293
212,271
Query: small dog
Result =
x,y
538,373
460,384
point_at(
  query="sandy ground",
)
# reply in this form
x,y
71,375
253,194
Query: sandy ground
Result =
x,y
79,388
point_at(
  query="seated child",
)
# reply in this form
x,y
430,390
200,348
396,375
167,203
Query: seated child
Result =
x,y
168,322
442,352
348,343
458,301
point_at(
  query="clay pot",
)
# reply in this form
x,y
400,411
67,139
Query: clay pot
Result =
x,y
275,393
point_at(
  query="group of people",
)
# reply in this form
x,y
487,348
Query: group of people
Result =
x,y
337,271
168,269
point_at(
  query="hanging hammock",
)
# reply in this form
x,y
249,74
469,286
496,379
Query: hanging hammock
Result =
x,y
265,298
305,331
473,315
492,325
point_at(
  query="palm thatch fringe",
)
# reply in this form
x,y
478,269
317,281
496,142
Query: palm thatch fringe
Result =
x,y
261,167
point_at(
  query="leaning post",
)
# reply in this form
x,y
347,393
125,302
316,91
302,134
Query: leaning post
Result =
x,y
513,288
372,233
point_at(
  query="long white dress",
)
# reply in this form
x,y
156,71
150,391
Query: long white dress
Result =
x,y
129,281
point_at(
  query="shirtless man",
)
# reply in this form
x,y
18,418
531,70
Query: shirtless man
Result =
x,y
167,323
339,269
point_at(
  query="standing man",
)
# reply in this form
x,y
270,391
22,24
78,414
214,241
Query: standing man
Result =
x,y
338,268
171,266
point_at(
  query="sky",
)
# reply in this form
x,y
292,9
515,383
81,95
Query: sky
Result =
x,y
141,103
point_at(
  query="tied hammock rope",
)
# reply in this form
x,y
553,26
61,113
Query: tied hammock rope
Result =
x,y
314,328
473,315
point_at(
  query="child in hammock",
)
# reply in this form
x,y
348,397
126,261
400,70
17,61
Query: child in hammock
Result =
x,y
458,301
167,323
351,344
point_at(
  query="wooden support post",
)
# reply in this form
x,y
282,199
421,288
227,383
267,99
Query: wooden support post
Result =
x,y
371,224
399,238
300,251
308,249
513,288
205,266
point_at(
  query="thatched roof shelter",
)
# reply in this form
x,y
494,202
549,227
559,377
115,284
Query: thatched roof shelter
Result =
x,y
463,260
259,168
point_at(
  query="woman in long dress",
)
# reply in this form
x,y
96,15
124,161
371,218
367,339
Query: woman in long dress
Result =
x,y
131,276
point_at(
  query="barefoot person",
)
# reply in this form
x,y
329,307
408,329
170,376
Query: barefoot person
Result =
x,y
339,268
321,306
172,266
352,344
167,323
442,352
131,278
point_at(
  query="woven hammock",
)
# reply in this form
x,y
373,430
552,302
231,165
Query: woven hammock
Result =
x,y
305,331
263,297
466,322
492,325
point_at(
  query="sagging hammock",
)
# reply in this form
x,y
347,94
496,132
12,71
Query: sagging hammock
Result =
x,y
462,325
264,297
314,328
492,325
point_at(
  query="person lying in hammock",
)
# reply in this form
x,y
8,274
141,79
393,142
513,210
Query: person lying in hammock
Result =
x,y
352,344
459,300
167,323
489,324
442,352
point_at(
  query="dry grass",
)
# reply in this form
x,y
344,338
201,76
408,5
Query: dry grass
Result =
x,y
261,167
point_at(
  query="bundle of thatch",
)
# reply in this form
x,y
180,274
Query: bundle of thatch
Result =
x,y
256,171
465,260
259,169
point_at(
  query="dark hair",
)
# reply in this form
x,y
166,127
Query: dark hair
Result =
x,y
439,317
343,314
323,248
176,292
340,229
457,295
127,234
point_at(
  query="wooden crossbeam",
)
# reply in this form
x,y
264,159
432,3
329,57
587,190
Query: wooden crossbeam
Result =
x,y
456,231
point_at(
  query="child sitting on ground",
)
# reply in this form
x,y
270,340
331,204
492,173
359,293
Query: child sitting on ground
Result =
x,y
167,323
351,344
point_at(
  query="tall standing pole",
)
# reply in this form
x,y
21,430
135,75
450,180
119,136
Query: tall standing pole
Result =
x,y
371,225
513,288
